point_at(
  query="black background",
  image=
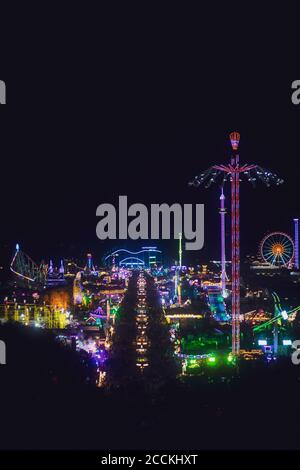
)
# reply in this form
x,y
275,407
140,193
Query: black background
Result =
x,y
105,99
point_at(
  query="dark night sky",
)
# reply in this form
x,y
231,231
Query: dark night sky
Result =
x,y
136,100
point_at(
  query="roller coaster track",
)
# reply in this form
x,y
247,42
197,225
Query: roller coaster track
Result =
x,y
278,314
25,268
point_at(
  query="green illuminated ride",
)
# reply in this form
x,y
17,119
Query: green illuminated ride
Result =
x,y
279,314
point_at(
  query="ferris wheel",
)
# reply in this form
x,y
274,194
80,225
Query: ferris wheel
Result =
x,y
277,249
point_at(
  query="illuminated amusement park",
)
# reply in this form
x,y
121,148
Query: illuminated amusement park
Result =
x,y
136,321
149,243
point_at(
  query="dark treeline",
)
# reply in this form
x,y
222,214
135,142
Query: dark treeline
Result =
x,y
47,403
39,386
49,399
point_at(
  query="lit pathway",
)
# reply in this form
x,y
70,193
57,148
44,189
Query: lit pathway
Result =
x,y
141,323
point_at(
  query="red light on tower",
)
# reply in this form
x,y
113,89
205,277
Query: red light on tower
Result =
x,y
235,140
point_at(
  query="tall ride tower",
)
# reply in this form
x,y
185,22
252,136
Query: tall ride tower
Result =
x,y
223,251
296,242
89,268
234,171
180,250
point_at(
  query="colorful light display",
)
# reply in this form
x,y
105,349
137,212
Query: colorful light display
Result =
x,y
277,249
233,171
296,242
223,249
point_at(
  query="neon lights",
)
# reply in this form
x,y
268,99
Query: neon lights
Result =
x,y
180,250
24,267
233,172
144,250
284,314
132,261
296,242
234,139
183,315
235,243
223,252
277,249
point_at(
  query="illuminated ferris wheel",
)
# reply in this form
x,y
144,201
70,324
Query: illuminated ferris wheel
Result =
x,y
277,249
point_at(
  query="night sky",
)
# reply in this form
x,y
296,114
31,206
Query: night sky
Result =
x,y
104,101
